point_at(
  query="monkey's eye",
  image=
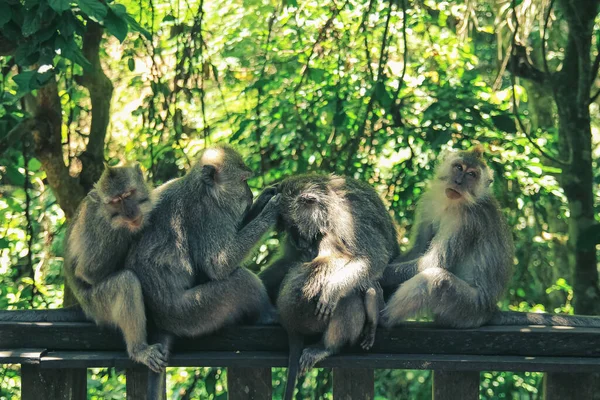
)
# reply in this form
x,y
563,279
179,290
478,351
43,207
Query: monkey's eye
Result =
x,y
472,174
458,167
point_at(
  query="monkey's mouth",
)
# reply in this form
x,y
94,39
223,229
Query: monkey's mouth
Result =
x,y
136,223
453,194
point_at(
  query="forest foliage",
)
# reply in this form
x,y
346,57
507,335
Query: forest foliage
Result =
x,y
372,89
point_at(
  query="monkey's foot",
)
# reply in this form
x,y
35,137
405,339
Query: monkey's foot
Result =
x,y
368,337
311,356
153,356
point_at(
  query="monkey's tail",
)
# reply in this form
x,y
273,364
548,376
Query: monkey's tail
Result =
x,y
296,343
68,314
528,318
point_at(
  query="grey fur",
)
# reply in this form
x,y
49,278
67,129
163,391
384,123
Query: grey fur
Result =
x,y
189,257
462,255
339,238
108,221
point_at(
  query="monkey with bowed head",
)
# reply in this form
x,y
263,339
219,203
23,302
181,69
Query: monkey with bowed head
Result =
x,y
108,221
339,239
188,259
462,254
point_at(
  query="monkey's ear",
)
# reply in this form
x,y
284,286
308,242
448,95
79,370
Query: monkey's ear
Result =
x,y
478,150
138,168
209,174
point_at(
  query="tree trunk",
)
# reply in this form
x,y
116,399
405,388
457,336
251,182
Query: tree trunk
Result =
x,y
572,93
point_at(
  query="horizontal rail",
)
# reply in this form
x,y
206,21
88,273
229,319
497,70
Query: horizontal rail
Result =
x,y
532,341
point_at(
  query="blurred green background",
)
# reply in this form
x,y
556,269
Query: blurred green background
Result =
x,y
372,89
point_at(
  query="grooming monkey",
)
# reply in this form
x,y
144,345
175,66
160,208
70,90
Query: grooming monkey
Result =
x,y
339,238
188,259
462,255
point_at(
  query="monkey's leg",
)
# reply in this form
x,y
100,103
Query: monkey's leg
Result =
x,y
452,301
210,306
273,275
118,301
373,305
344,328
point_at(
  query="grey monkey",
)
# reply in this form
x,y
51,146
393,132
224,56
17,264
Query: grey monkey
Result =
x,y
462,255
339,238
108,221
189,257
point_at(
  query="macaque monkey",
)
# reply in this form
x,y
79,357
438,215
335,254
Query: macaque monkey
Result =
x,y
108,221
339,238
462,255
189,257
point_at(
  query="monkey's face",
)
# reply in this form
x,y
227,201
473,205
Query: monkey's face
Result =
x,y
464,177
125,197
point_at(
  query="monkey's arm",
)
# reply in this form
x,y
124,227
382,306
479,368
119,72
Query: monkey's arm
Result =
x,y
399,272
273,275
420,242
227,258
259,204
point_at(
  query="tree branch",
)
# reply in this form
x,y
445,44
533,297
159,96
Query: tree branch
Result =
x,y
100,88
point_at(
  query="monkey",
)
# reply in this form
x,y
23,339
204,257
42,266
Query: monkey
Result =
x,y
462,255
108,220
339,238
188,258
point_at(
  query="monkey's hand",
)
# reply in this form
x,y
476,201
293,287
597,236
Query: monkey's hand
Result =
x,y
271,210
325,306
266,195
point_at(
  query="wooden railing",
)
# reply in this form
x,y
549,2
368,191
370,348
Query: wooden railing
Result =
x,y
54,358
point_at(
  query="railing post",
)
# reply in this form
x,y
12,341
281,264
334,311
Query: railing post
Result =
x,y
53,384
353,384
143,384
452,385
249,383
567,386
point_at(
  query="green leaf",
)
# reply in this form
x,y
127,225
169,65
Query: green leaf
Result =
x,y
23,81
133,24
5,14
15,176
31,23
71,51
505,123
60,5
34,164
93,8
116,25
382,95
243,125
131,64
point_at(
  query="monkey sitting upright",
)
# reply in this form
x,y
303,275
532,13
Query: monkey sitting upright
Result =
x,y
189,258
462,255
339,238
108,220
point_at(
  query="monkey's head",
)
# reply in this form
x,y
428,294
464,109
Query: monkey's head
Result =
x,y
304,208
464,176
225,175
124,197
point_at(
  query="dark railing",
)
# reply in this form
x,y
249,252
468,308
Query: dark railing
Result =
x,y
54,358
